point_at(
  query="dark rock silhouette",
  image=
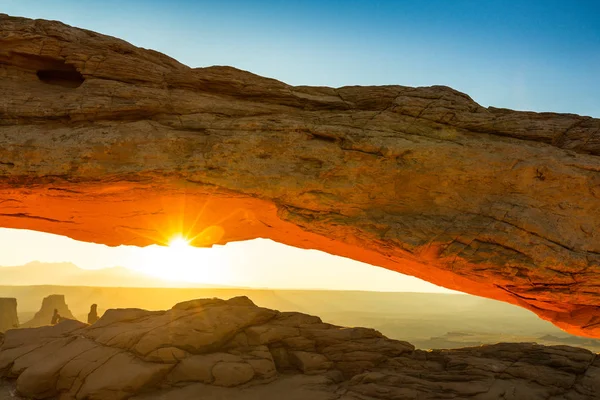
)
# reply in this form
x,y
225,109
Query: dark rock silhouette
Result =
x,y
93,315
46,315
214,349
8,314
55,318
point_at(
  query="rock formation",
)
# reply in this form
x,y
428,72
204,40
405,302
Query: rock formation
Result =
x,y
49,304
8,314
105,142
216,349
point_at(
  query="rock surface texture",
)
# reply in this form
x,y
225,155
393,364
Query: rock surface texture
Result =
x,y
8,314
216,349
105,142
44,316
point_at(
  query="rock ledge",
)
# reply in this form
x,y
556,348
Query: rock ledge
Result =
x,y
232,349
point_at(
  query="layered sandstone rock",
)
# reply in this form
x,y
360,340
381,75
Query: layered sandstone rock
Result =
x,y
8,314
105,142
44,316
216,349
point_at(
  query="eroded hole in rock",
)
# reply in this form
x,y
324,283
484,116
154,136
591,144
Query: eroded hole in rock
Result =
x,y
48,70
67,77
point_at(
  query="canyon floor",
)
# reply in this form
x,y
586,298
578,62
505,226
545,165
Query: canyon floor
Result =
x,y
233,349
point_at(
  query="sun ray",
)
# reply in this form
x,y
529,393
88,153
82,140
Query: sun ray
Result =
x,y
198,216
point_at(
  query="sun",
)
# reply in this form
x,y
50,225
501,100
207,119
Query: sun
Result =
x,y
181,262
179,242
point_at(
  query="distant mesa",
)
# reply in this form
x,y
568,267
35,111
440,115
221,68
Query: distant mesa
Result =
x,y
8,314
458,334
49,304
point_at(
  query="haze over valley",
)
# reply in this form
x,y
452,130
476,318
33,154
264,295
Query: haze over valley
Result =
x,y
428,320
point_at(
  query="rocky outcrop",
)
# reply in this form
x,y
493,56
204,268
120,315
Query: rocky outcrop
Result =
x,y
8,314
105,142
216,349
49,304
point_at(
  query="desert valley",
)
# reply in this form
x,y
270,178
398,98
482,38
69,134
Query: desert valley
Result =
x,y
427,320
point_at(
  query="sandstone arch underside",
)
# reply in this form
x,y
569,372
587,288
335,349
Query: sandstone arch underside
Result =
x,y
105,142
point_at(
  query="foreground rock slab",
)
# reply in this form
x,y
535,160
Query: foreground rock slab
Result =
x,y
105,142
216,349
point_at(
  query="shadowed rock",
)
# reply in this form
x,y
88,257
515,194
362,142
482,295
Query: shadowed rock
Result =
x,y
8,314
216,349
105,142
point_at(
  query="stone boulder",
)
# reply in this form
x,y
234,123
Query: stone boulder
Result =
x,y
8,314
44,315
232,349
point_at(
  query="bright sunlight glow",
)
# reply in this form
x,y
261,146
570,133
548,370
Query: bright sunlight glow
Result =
x,y
179,261
179,242
258,263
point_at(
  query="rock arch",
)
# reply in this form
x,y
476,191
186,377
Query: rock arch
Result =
x,y
129,147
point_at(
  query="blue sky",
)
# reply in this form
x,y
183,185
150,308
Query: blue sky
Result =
x,y
530,55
